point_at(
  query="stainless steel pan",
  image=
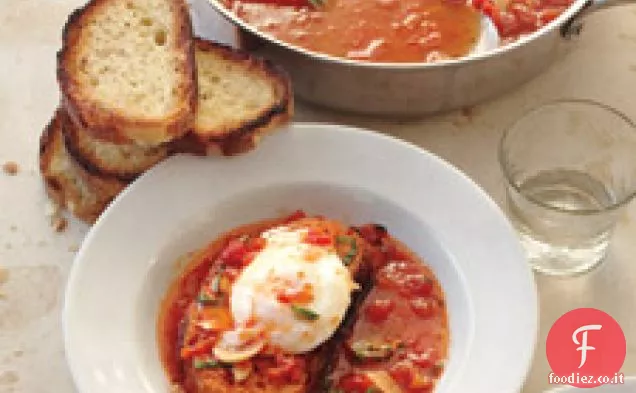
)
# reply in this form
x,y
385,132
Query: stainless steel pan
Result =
x,y
416,89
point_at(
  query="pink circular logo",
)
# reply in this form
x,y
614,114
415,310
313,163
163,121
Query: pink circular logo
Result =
x,y
585,348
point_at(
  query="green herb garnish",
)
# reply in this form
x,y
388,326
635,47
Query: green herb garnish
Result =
x,y
317,3
206,300
215,285
304,313
372,389
353,248
364,350
343,239
202,364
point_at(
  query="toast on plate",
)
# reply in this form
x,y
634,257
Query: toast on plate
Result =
x,y
69,184
123,161
240,99
136,87
126,70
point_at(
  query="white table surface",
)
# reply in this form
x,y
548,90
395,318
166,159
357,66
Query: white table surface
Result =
x,y
35,260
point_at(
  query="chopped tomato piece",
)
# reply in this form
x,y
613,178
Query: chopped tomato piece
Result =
x,y
288,368
425,359
402,373
424,307
303,295
507,24
355,383
283,3
376,259
547,15
373,233
395,254
214,318
255,244
231,273
489,8
417,284
233,253
556,3
249,258
421,383
295,216
526,18
201,347
379,310
406,375
318,238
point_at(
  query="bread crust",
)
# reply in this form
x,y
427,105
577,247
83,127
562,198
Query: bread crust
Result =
x,y
124,162
69,184
239,138
114,125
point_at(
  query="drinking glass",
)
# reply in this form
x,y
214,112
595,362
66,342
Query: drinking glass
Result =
x,y
570,170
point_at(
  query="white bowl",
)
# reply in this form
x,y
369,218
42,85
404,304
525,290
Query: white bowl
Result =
x,y
128,259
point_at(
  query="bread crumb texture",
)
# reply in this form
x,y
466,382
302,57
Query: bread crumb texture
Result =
x,y
128,60
59,224
11,168
229,93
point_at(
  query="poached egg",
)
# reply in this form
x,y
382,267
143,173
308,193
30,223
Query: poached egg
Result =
x,y
293,295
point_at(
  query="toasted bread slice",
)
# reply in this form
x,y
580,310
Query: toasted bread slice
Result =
x,y
123,161
241,98
67,183
126,70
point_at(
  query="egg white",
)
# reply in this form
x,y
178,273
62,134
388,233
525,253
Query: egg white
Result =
x,y
253,299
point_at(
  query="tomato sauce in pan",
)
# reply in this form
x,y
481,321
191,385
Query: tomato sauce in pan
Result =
x,y
399,31
371,30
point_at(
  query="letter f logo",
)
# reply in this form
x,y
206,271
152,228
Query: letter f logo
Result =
x,y
583,343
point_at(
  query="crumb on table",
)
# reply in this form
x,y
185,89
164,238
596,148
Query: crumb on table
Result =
x,y
59,223
468,112
11,168
4,275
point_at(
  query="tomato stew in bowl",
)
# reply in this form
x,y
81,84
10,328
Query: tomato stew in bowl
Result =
x,y
393,331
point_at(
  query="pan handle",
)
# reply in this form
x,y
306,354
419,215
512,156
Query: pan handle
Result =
x,y
574,25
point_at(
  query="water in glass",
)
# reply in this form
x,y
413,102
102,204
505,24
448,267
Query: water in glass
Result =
x,y
563,219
